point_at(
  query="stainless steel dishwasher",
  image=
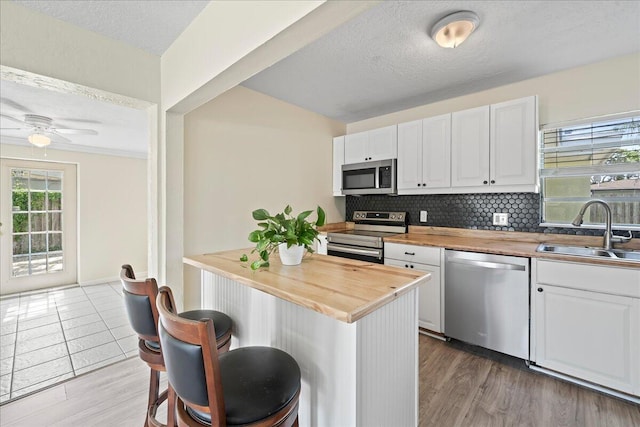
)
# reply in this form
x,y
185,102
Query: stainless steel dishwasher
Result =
x,y
487,301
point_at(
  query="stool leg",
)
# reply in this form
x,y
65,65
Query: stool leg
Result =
x,y
154,390
171,407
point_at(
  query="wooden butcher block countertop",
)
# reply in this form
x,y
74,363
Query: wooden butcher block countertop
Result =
x,y
507,243
344,289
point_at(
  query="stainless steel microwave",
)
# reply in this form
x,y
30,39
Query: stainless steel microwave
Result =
x,y
377,177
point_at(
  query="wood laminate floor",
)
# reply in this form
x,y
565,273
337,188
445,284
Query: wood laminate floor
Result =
x,y
459,386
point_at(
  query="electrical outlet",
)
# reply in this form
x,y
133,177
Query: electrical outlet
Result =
x,y
423,216
501,219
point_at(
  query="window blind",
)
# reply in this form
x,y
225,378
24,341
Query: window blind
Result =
x,y
598,158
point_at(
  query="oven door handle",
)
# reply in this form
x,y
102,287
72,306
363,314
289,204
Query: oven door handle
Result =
x,y
355,251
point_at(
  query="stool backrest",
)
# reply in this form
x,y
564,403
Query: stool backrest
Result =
x,y
191,358
140,303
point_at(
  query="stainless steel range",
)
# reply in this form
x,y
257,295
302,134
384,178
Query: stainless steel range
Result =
x,y
366,241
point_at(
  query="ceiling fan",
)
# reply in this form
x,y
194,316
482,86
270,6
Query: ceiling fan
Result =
x,y
42,129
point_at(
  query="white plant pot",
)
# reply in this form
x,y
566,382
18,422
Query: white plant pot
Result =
x,y
292,255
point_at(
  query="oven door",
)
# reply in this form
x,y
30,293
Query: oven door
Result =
x,y
356,252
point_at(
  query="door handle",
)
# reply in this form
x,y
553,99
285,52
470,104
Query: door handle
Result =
x,y
488,264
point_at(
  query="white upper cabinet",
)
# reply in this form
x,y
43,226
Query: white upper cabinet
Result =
x,y
409,155
514,130
376,144
356,147
470,147
424,153
493,148
338,161
436,152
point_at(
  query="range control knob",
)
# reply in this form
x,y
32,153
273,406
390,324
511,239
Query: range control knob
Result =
x,y
393,217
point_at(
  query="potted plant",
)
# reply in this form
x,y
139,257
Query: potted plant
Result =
x,y
291,235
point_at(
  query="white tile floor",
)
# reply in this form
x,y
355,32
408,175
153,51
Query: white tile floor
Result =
x,y
53,335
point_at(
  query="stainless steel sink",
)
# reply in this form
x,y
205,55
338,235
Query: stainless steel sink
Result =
x,y
628,255
585,251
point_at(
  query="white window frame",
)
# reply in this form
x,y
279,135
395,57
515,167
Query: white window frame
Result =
x,y
585,170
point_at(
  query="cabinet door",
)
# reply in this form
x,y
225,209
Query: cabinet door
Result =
x,y
355,147
383,143
513,142
470,147
428,295
409,155
588,335
338,161
436,152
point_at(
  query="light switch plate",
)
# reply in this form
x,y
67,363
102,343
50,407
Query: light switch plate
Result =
x,y
423,216
501,219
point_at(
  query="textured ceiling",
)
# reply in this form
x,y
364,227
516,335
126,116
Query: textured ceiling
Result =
x,y
151,25
121,130
384,61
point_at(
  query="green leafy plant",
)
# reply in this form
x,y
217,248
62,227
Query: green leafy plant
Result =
x,y
282,228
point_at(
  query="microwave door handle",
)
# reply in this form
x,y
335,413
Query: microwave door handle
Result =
x,y
377,177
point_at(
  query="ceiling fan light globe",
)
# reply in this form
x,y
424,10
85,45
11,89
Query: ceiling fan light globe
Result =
x,y
39,140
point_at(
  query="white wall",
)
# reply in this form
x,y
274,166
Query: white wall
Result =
x,y
112,210
244,151
611,86
34,42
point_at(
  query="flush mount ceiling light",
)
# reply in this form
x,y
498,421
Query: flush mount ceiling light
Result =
x,y
39,140
453,29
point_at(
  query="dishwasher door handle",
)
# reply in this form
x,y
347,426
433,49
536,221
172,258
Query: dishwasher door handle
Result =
x,y
488,264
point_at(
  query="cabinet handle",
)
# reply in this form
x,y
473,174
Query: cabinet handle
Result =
x,y
409,253
406,266
485,182
419,184
424,184
493,181
539,289
411,265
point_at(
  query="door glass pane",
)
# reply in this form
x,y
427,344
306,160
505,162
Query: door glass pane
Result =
x,y
55,242
20,200
20,222
37,221
37,201
54,201
55,221
54,181
38,243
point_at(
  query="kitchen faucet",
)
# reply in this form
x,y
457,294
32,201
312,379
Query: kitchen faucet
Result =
x,y
607,232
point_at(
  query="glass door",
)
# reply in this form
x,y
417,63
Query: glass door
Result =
x,y
38,215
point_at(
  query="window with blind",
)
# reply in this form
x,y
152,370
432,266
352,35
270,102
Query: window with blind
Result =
x,y
599,159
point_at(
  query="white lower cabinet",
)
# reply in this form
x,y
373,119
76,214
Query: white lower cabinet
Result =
x,y
587,327
421,258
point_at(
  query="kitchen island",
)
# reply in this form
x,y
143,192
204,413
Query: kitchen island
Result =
x,y
350,325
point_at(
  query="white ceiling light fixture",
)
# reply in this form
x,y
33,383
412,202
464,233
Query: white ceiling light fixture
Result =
x,y
39,140
454,29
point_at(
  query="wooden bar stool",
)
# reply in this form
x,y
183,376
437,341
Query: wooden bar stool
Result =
x,y
256,386
140,303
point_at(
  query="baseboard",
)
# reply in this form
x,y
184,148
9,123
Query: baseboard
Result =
x,y
431,334
593,386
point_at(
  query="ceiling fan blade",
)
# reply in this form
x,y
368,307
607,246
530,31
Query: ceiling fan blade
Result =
x,y
55,136
14,105
22,122
66,131
15,128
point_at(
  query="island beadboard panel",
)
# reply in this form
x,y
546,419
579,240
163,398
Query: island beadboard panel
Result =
x,y
353,374
471,211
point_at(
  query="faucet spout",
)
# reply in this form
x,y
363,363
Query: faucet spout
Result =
x,y
606,243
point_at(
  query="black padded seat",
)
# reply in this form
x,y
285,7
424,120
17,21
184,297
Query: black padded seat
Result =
x,y
257,382
221,322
